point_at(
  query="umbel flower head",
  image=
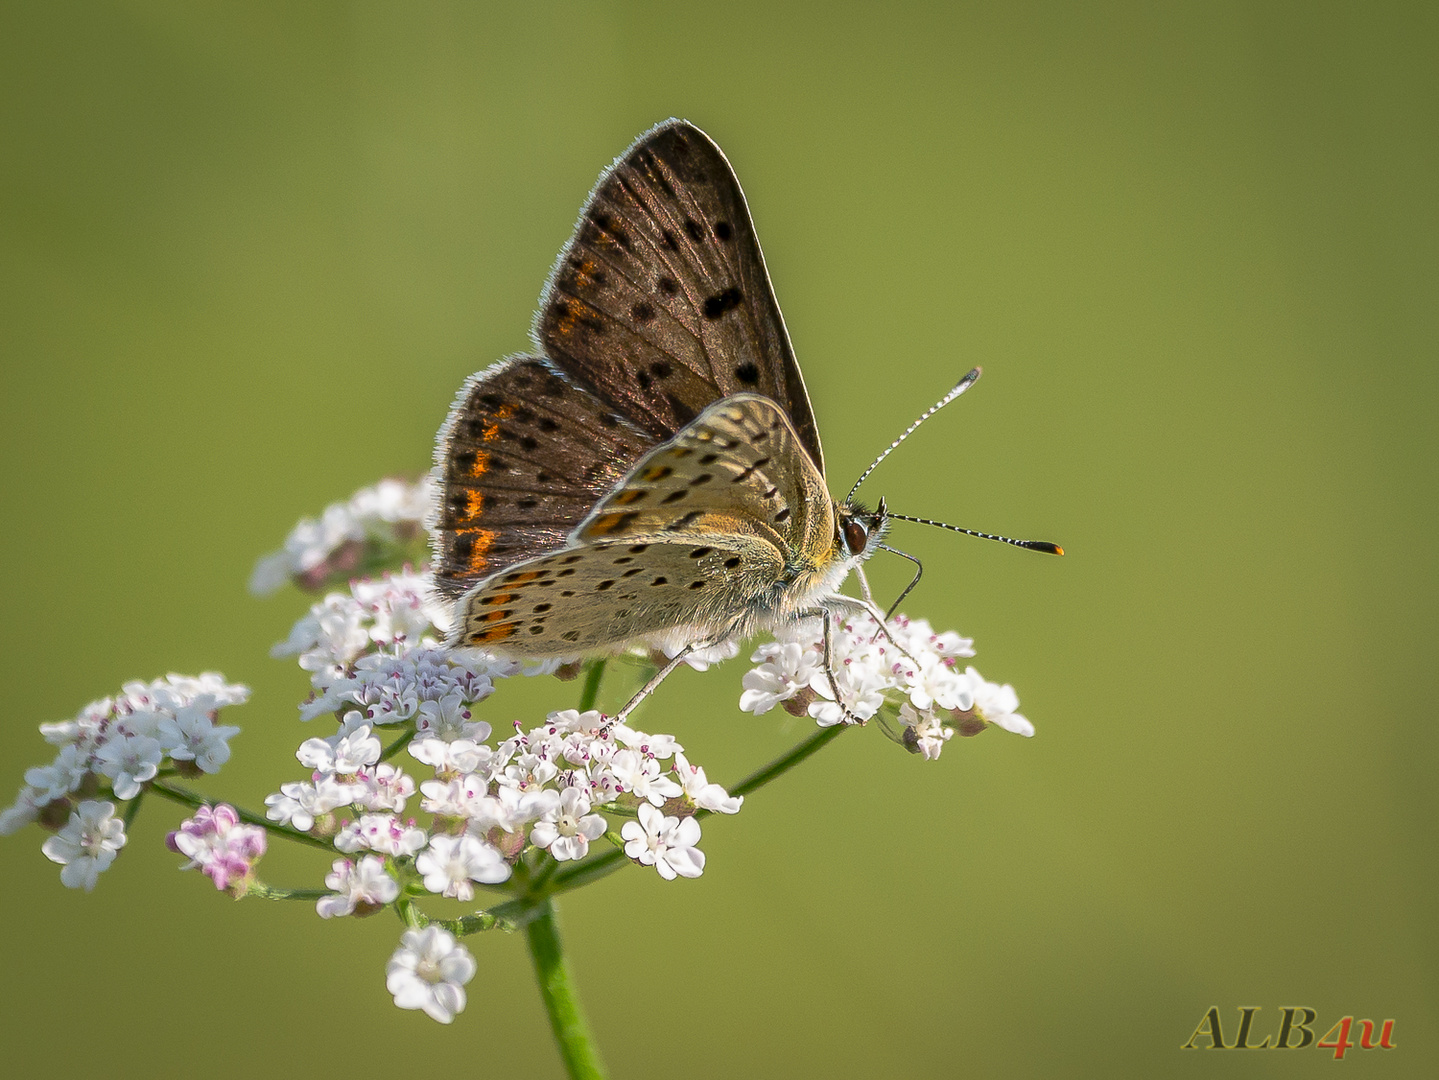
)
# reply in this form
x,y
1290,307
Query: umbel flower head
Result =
x,y
416,787
109,753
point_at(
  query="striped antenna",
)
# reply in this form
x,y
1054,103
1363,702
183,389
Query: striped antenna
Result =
x,y
959,388
1033,545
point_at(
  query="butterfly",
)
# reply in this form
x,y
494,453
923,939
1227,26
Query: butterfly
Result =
x,y
654,472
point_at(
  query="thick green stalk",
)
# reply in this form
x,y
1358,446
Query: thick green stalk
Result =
x,y
577,1046
591,690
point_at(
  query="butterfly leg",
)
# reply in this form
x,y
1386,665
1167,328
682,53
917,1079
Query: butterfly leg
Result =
x,y
648,688
822,613
870,608
663,673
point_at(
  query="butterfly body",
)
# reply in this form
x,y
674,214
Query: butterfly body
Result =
x,y
655,474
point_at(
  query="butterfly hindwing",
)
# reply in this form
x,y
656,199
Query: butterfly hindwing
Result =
x,y
739,462
600,596
520,462
660,304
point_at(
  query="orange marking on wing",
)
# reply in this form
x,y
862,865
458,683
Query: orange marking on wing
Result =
x,y
656,472
565,325
609,523
498,598
482,539
528,575
624,498
504,412
490,433
496,616
496,633
482,462
474,503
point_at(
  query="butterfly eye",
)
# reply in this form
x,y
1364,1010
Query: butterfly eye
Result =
x,y
855,537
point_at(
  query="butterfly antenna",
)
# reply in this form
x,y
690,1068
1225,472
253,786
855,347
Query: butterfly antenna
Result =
x,y
959,388
1033,545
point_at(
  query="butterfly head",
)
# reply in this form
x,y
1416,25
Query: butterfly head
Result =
x,y
860,530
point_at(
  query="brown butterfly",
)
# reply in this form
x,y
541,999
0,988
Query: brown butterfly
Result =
x,y
655,472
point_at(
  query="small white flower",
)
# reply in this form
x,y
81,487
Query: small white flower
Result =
x,y
25,809
383,833
342,754
660,747
511,809
567,829
642,777
785,669
449,719
191,735
861,688
459,756
382,787
387,513
362,886
700,659
451,863
701,792
143,721
87,844
998,704
926,730
666,843
60,777
452,798
571,721
129,760
293,805
935,682
429,971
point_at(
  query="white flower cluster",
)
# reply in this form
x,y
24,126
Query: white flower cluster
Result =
x,y
121,743
912,670
375,665
376,651
542,788
371,523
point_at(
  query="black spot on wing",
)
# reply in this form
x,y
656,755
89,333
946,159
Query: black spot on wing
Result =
x,y
720,302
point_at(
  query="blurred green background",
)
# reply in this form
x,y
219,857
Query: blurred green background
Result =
x,y
250,250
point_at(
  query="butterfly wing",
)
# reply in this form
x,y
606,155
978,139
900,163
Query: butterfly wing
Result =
x,y
660,304
521,460
707,534
601,596
738,462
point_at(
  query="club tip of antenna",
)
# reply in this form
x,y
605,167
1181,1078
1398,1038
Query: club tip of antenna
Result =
x,y
1044,546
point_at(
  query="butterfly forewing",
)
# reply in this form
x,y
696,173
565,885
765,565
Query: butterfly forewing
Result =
x,y
660,304
521,461
600,596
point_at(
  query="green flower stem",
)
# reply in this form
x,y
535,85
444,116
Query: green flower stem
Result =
x,y
590,692
266,892
133,809
786,761
194,800
412,916
592,869
398,745
509,916
577,1046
